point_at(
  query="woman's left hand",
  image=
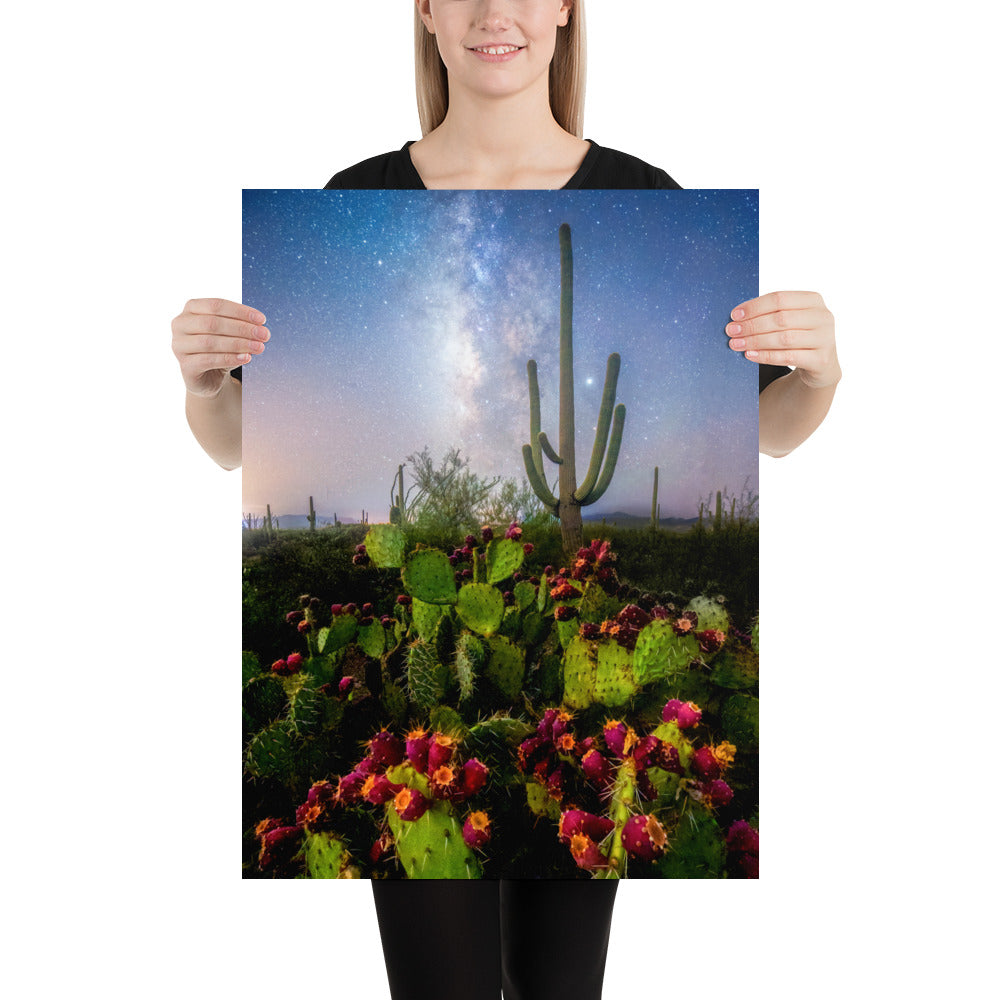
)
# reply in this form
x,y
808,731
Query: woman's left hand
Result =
x,y
788,328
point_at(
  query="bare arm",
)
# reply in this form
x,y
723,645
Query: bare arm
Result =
x,y
210,338
789,328
217,422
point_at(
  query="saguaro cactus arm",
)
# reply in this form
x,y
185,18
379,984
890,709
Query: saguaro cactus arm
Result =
x,y
538,483
609,463
539,439
603,429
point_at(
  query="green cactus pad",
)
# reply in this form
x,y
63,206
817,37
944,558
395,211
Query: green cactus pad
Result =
x,y
505,666
480,607
735,667
251,665
511,624
271,753
426,617
568,631
426,676
503,558
432,846
534,628
326,856
307,706
739,717
696,848
614,682
444,719
393,701
549,677
524,594
662,654
540,802
544,603
429,576
371,638
342,631
264,700
579,673
711,614
597,605
470,656
385,545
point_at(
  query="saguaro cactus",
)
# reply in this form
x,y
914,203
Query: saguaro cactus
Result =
x,y
571,497
312,515
654,511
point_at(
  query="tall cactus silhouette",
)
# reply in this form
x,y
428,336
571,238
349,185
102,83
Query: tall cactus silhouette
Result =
x,y
571,497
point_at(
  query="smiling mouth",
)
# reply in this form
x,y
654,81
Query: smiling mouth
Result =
x,y
496,50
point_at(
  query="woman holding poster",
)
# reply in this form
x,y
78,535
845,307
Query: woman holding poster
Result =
x,y
500,93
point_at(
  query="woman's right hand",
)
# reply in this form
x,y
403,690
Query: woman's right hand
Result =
x,y
213,336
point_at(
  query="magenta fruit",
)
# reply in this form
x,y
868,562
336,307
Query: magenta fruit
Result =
x,y
418,743
564,613
577,821
586,853
474,775
704,764
710,641
643,837
411,803
476,829
386,748
440,751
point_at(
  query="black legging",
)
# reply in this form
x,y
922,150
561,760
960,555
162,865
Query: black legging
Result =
x,y
452,939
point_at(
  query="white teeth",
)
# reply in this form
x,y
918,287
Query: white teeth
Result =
x,y
498,50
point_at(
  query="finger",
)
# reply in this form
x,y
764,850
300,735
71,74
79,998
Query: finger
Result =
x,y
216,345
189,324
792,359
784,320
201,363
225,307
781,340
777,302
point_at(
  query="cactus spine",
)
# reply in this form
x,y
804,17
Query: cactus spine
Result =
x,y
571,497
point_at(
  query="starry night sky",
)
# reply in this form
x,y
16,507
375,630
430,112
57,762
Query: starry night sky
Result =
x,y
401,319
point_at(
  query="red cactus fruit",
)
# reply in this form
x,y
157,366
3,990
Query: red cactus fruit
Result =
x,y
294,661
619,737
565,613
718,793
367,620
411,803
381,847
445,782
590,630
644,786
646,750
386,748
336,609
368,765
704,764
596,767
359,560
476,829
547,722
643,837
555,780
404,599
378,789
474,775
574,821
293,616
303,627
386,621
586,853
418,742
350,609
440,751
531,750
743,837
471,542
349,788
633,615
487,532
513,531
278,846
345,684
563,590
528,548
688,715
710,641
750,864
280,667
668,757
659,612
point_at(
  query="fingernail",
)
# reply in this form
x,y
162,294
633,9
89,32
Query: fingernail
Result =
x,y
738,345
752,354
259,318
734,329
738,313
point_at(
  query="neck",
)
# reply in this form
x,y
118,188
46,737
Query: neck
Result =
x,y
498,134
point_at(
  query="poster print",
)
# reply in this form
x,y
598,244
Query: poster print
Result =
x,y
500,536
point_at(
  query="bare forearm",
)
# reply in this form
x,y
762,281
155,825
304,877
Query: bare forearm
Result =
x,y
790,410
217,423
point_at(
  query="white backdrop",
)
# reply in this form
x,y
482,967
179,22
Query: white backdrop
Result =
x,y
131,133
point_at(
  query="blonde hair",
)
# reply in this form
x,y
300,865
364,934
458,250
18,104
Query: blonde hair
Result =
x,y
567,74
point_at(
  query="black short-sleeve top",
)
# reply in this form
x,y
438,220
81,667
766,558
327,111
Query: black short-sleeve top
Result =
x,y
602,168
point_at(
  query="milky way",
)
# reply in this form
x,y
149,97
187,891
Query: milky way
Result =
x,y
401,319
